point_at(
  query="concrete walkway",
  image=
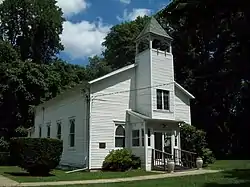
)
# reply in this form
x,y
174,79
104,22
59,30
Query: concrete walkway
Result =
x,y
4,182
147,177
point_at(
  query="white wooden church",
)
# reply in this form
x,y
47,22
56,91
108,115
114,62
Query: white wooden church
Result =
x,y
139,107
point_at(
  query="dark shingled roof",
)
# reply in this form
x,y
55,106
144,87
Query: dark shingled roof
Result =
x,y
153,27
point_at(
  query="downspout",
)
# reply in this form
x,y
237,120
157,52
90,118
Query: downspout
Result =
x,y
88,124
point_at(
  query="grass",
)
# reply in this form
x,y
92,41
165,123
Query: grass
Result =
x,y
230,164
17,174
223,179
236,174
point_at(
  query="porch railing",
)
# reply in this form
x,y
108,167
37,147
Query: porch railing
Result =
x,y
160,159
185,159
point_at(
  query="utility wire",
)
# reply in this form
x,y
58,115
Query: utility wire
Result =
x,y
131,90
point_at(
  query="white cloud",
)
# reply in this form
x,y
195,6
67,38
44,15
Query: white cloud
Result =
x,y
84,38
125,1
71,7
130,16
1,1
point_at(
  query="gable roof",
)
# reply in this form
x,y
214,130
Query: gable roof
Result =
x,y
153,27
113,73
184,90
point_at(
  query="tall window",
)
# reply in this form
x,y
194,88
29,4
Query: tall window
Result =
x,y
149,135
72,132
59,129
135,138
142,137
162,99
48,129
40,131
120,136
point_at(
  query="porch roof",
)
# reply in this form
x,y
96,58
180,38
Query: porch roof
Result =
x,y
148,119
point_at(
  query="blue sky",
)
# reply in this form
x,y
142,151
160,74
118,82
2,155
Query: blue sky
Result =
x,y
89,21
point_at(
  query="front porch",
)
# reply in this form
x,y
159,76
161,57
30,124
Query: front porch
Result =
x,y
156,141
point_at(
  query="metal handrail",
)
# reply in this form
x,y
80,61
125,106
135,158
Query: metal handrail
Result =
x,y
185,158
163,152
182,150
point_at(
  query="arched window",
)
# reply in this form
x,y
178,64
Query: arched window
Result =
x,y
120,136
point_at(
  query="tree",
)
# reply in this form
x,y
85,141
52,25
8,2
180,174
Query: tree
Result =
x,y
97,67
32,27
210,43
119,43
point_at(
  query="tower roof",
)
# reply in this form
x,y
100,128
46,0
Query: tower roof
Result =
x,y
153,27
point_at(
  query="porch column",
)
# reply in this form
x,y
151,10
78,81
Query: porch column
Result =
x,y
147,154
172,141
127,132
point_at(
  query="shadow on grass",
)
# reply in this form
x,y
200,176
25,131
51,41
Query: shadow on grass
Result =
x,y
236,178
25,174
243,184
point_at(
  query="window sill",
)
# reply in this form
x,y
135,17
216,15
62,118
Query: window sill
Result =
x,y
162,111
137,146
71,149
117,148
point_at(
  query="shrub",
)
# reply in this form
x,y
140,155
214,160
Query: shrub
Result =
x,y
21,132
121,160
4,152
195,140
38,156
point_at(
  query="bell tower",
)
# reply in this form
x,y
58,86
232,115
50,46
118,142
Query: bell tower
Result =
x,y
154,69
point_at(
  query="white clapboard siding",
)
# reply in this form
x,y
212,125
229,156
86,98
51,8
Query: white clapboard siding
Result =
x,y
62,108
106,108
162,74
182,106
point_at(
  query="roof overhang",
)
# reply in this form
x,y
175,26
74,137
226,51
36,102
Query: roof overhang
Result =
x,y
184,90
113,73
148,119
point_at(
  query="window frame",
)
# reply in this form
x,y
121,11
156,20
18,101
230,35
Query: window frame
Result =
x,y
72,133
149,137
48,130
59,136
120,136
142,137
136,138
40,131
163,105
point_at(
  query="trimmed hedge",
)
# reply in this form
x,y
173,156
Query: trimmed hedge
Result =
x,y
121,160
38,156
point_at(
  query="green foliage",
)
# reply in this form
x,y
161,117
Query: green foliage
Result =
x,y
4,145
97,67
38,156
211,60
4,152
121,160
194,140
33,27
120,42
21,132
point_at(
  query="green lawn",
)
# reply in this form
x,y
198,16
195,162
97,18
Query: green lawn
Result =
x,y
230,164
15,173
236,174
224,179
